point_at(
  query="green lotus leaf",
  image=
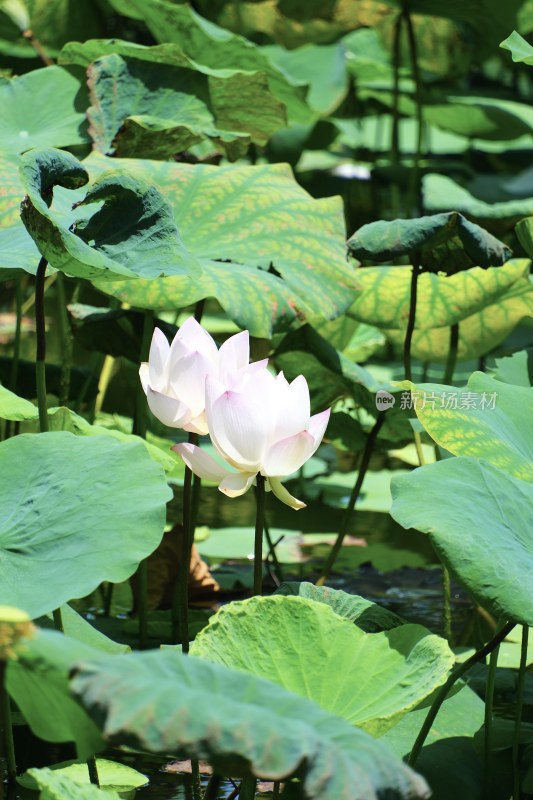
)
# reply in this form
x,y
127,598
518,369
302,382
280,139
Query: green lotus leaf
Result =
x,y
368,616
43,108
56,785
270,253
308,649
37,680
217,48
76,627
488,304
141,108
12,191
132,234
484,536
145,700
62,510
521,50
516,369
60,418
485,419
441,192
446,242
111,775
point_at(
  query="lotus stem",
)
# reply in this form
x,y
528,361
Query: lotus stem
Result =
x,y
518,714
395,112
363,467
58,620
258,540
412,316
66,342
489,703
139,428
93,771
211,792
452,354
40,331
7,747
414,176
180,598
18,328
454,676
247,791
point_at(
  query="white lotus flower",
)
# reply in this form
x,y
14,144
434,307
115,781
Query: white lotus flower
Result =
x,y
174,376
261,424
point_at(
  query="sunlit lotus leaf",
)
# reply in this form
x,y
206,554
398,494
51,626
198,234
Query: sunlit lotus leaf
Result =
x,y
56,785
145,700
446,242
18,409
132,234
112,775
41,109
62,509
270,253
485,419
308,649
368,616
11,191
521,50
484,536
488,304
217,48
441,191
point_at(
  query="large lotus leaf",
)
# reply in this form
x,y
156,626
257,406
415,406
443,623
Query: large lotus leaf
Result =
x,y
323,67
441,300
445,242
308,649
368,616
111,775
441,192
38,682
78,511
164,702
217,48
516,369
247,226
14,407
41,109
55,785
132,234
521,50
484,536
141,108
485,419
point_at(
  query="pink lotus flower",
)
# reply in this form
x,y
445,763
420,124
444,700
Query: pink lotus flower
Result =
x,y
261,424
174,376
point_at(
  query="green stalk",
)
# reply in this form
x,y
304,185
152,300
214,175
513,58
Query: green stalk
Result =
x,y
247,788
278,571
66,341
412,316
58,620
258,540
139,428
518,715
211,792
414,177
454,676
452,354
93,771
7,747
18,328
489,703
275,790
395,127
40,331
180,598
363,467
